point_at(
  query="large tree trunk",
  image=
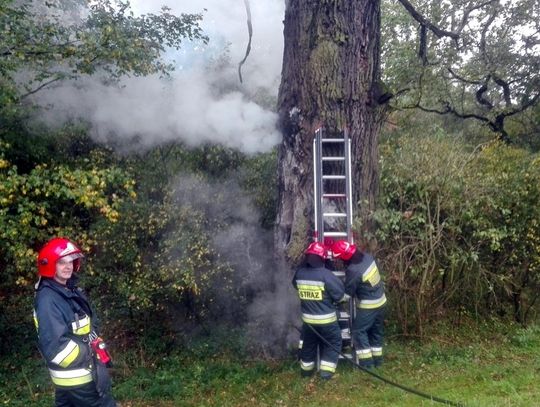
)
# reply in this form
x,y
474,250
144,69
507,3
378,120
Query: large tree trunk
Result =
x,y
330,78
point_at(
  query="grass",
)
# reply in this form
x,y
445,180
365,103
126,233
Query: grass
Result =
x,y
477,366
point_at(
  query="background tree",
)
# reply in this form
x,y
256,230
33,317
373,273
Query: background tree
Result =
x,y
42,44
475,60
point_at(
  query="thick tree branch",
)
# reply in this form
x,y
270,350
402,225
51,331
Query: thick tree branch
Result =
x,y
506,90
422,49
439,32
480,94
426,23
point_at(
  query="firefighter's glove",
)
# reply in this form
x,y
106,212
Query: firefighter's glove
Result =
x,y
102,378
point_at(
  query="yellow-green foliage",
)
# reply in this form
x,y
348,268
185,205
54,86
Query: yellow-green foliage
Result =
x,y
53,200
458,227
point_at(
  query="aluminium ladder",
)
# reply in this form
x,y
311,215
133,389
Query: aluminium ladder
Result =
x,y
332,196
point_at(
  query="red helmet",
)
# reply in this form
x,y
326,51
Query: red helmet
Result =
x,y
55,249
328,242
343,250
316,248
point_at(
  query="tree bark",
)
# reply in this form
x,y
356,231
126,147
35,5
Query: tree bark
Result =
x,y
330,78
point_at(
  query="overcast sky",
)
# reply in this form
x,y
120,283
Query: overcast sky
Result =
x,y
187,106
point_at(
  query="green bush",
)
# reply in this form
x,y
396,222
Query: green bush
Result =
x,y
457,228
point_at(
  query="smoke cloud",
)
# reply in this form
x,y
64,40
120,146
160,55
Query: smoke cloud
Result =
x,y
203,101
269,304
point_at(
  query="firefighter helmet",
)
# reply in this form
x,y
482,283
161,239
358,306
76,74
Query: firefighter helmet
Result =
x,y
328,242
316,248
343,250
54,250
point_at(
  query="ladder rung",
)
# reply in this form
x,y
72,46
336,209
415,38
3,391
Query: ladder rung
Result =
x,y
335,214
333,177
335,234
333,158
334,196
346,333
343,315
333,140
339,273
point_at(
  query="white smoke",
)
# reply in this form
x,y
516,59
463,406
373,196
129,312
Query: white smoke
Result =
x,y
197,104
203,102
273,305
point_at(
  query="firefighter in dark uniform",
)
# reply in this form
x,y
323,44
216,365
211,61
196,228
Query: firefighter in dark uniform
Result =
x,y
319,291
363,281
67,330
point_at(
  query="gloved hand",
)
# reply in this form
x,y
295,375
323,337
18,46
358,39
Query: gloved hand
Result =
x,y
101,378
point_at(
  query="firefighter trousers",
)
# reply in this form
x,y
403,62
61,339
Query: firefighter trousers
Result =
x,y
329,354
368,335
83,396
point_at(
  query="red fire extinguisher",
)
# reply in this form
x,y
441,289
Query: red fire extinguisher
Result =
x,y
100,349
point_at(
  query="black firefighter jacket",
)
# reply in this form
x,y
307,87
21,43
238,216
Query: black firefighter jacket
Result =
x,y
319,289
364,282
63,318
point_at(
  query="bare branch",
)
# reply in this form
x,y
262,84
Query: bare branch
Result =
x,y
426,23
43,85
468,11
524,106
422,20
482,45
250,32
462,79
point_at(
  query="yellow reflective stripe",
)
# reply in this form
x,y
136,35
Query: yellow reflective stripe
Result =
x,y
319,319
81,327
364,354
328,366
70,358
370,304
376,351
36,322
372,275
67,355
307,365
70,378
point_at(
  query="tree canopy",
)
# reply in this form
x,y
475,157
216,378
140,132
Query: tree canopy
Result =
x,y
40,45
472,59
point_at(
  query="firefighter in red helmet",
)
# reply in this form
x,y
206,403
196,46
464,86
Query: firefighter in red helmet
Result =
x,y
319,291
67,331
363,281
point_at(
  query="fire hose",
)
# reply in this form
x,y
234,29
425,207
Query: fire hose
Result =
x,y
385,380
